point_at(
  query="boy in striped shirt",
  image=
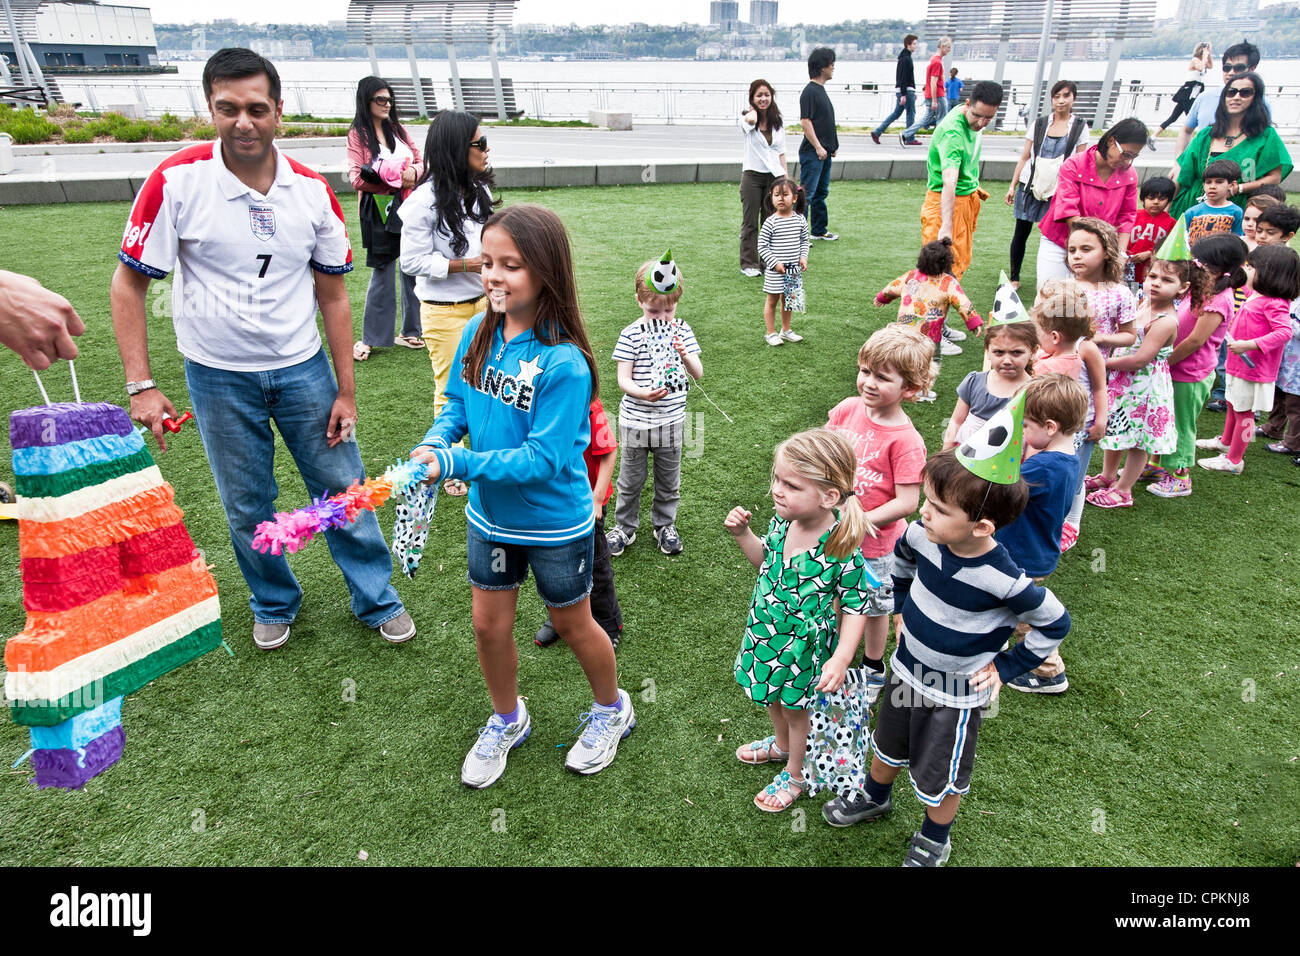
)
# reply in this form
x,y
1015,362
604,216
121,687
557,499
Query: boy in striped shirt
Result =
x,y
960,596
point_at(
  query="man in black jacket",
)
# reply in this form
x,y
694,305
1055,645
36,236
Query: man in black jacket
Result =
x,y
905,82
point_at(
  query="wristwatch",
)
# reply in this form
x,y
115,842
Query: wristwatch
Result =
x,y
135,388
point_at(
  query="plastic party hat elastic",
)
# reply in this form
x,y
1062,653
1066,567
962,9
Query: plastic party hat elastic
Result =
x,y
663,275
1175,247
995,451
1007,307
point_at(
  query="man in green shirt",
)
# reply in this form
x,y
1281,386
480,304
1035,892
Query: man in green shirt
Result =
x,y
952,202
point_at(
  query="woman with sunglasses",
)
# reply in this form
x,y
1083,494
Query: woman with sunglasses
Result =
x,y
1242,132
442,225
383,165
1098,182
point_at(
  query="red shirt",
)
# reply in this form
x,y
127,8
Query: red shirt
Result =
x,y
887,457
934,78
1148,234
603,443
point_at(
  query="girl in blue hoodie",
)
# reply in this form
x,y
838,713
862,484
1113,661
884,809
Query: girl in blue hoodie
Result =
x,y
521,382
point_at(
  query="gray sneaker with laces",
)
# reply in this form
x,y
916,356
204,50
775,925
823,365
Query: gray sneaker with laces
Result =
x,y
598,744
485,763
855,808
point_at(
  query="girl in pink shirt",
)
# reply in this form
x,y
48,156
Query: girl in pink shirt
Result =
x,y
1203,317
1256,340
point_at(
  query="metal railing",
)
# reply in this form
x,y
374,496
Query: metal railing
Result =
x,y
858,104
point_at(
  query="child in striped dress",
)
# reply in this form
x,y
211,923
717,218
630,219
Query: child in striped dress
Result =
x,y
783,245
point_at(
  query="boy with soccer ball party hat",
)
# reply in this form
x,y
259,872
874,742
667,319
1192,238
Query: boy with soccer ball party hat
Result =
x,y
960,596
657,357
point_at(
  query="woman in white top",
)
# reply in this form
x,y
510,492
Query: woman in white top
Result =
x,y
764,162
442,225
377,137
1048,142
1202,60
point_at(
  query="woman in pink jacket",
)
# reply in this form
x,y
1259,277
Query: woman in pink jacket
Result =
x,y
383,165
1098,182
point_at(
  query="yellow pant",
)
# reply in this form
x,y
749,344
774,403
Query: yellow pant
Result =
x,y
965,210
442,326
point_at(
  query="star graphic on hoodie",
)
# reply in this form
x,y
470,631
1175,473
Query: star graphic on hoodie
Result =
x,y
528,371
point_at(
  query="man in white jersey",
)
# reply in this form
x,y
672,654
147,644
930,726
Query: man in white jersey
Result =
x,y
257,241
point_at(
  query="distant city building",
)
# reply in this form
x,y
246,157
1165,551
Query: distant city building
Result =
x,y
88,34
1203,14
725,15
283,49
762,13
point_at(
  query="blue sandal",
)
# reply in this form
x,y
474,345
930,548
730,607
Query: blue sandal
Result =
x,y
761,751
784,788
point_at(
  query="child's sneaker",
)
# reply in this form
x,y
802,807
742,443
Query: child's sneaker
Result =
x,y
925,852
1032,684
949,348
486,762
1153,473
855,808
789,335
1172,486
953,335
598,744
618,540
875,682
773,338
1211,444
929,396
668,539
1221,463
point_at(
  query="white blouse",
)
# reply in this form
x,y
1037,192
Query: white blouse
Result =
x,y
761,156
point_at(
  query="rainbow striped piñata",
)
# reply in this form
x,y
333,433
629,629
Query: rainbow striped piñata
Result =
x,y
115,591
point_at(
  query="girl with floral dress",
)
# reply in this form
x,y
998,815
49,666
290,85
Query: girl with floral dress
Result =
x,y
808,559
1141,393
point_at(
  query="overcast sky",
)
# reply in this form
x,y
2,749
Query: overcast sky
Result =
x,y
556,11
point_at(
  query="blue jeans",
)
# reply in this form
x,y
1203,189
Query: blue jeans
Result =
x,y
909,104
933,116
815,178
234,412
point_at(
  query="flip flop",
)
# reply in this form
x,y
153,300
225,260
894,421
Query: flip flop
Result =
x,y
410,341
1110,498
455,487
785,789
360,352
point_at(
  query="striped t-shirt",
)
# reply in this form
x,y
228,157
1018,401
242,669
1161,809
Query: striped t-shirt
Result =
x,y
957,614
648,345
783,240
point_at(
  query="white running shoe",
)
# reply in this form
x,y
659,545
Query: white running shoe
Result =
x,y
1211,444
1221,463
773,338
486,762
953,335
949,348
790,335
750,273
598,744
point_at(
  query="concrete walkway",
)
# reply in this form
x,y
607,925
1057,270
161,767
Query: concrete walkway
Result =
x,y
522,157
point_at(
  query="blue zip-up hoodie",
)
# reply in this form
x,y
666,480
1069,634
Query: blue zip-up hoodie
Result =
x,y
528,424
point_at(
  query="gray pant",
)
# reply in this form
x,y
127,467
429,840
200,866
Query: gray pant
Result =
x,y
381,306
637,443
753,187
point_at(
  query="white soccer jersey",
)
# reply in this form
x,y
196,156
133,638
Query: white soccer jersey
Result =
x,y
243,297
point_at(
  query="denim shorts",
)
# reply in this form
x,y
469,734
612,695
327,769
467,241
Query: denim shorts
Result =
x,y
882,602
563,573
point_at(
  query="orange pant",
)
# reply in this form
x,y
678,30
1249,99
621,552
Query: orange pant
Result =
x,y
965,210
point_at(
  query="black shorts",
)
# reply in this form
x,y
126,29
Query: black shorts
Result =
x,y
935,743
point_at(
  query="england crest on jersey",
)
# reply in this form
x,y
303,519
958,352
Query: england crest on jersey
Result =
x,y
262,221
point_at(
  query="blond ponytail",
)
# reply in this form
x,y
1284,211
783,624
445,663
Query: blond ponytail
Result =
x,y
853,527
827,458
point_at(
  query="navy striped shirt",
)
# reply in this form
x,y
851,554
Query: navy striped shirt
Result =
x,y
957,614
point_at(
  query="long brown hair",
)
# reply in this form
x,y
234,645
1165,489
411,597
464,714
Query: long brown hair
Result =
x,y
543,245
770,117
1112,269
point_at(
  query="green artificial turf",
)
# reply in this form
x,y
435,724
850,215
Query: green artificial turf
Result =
x,y
1176,743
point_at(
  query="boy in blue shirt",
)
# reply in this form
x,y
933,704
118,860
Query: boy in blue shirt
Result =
x,y
1216,212
953,88
1056,406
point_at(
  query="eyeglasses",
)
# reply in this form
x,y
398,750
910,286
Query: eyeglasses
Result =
x,y
1245,92
1236,68
479,144
1129,157
382,100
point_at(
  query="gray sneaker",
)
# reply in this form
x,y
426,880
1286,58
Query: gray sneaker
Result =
x,y
925,852
669,541
399,630
486,762
270,636
856,807
598,744
618,540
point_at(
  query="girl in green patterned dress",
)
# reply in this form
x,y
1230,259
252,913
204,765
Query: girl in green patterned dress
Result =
x,y
808,558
